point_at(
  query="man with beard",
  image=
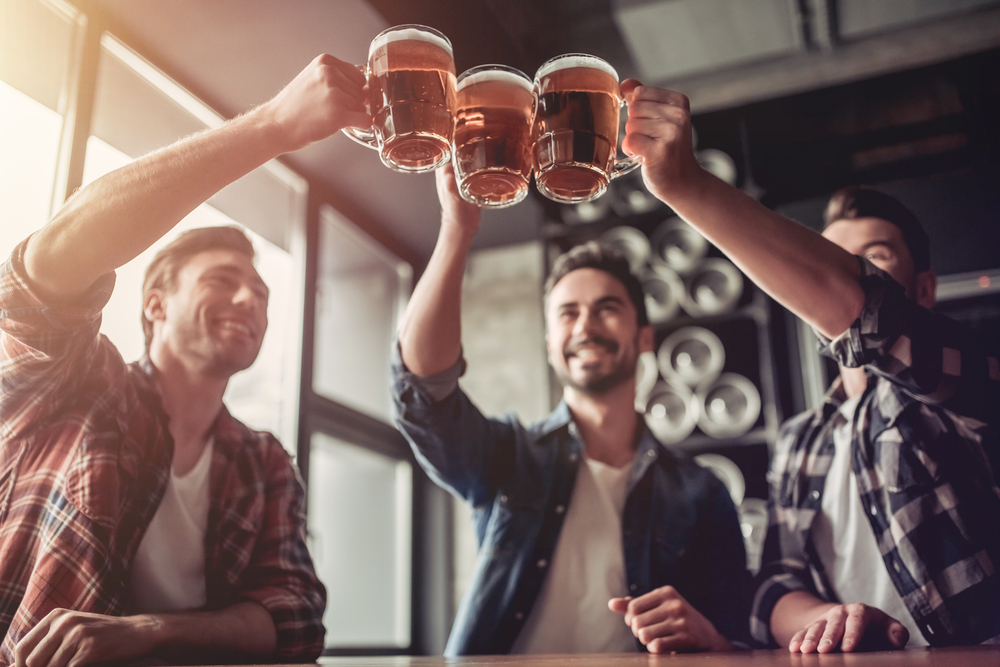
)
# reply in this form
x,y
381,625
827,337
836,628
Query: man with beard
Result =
x,y
583,519
139,517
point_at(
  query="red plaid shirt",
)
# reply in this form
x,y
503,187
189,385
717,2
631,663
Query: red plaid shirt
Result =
x,y
84,459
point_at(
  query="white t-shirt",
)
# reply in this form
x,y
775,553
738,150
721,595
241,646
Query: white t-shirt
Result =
x,y
571,613
844,539
168,572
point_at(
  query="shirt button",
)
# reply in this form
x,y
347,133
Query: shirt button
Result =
x,y
519,616
633,587
895,564
560,509
651,453
542,563
503,499
874,510
572,457
814,495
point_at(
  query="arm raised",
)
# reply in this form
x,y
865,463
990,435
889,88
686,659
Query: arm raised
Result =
x,y
115,218
809,275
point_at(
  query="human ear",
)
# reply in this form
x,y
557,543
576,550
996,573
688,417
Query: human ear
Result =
x,y
925,289
153,306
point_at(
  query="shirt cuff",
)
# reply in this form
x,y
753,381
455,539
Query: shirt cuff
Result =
x,y
438,386
879,323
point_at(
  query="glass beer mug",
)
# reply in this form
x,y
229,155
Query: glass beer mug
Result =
x,y
411,98
492,148
577,109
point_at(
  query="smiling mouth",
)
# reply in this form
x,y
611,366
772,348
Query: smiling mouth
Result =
x,y
236,326
590,348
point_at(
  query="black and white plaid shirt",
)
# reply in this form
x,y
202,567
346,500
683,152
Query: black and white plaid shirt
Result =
x,y
924,435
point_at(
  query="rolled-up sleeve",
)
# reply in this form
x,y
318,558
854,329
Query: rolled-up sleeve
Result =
x,y
46,350
280,576
928,355
459,448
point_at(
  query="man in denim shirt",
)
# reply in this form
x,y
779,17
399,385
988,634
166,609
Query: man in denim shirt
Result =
x,y
884,509
583,520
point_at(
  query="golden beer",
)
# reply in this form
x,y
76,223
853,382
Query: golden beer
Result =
x,y
492,149
411,83
576,125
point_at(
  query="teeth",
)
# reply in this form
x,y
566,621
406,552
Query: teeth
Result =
x,y
235,326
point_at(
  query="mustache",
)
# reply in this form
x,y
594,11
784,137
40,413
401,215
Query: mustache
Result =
x,y
574,345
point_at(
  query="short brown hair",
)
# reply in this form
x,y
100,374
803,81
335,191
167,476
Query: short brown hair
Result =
x,y
594,255
858,202
162,271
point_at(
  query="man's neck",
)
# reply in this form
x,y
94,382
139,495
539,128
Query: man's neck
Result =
x,y
607,422
192,401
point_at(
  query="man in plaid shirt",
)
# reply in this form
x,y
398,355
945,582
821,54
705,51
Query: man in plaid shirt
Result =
x,y
884,508
137,517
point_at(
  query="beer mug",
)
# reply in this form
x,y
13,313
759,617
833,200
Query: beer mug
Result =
x,y
492,149
577,105
411,98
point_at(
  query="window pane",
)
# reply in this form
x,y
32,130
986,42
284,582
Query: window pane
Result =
x,y
360,530
137,110
361,290
36,46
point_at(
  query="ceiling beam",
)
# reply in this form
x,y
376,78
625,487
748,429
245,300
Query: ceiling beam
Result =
x,y
901,50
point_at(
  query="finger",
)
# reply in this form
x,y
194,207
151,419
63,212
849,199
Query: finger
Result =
x,y
644,603
796,641
854,628
897,633
662,129
619,605
665,628
66,653
661,95
677,642
813,633
833,634
640,145
656,110
666,610
26,646
42,652
627,87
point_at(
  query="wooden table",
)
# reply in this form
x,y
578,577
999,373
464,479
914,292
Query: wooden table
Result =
x,y
961,656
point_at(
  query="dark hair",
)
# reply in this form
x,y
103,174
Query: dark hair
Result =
x,y
162,271
857,202
593,255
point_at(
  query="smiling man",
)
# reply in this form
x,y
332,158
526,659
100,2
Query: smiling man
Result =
x,y
593,537
137,516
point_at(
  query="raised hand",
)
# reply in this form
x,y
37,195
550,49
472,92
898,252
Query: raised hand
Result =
x,y
328,95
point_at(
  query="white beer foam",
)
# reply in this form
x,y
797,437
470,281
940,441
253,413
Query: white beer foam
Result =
x,y
409,33
495,75
575,60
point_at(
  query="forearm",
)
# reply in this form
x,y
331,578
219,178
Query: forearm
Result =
x,y
793,612
245,629
809,275
430,337
118,216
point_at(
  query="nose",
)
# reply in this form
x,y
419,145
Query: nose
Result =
x,y
585,323
247,297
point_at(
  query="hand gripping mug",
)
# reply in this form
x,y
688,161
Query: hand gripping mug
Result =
x,y
411,98
577,105
492,148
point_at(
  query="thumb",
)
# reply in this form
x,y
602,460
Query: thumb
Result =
x,y
896,632
628,86
619,605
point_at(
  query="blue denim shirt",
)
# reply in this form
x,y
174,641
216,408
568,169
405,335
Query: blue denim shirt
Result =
x,y
679,526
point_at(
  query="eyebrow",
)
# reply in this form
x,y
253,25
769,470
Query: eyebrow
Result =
x,y
611,298
235,271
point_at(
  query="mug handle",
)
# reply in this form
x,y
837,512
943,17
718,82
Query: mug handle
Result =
x,y
363,135
624,165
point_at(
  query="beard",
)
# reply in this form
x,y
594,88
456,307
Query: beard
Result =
x,y
596,381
